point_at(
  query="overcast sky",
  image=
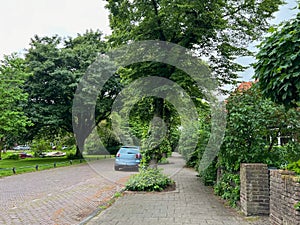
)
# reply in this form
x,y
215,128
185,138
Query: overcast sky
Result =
x,y
20,20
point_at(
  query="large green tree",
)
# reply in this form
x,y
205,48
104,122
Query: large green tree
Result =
x,y
218,30
57,65
13,121
278,66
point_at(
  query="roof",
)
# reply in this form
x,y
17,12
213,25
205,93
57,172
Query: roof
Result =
x,y
244,86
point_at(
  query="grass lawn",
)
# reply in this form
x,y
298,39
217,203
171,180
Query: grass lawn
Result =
x,y
29,164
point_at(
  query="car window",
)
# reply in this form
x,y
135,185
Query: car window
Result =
x,y
129,151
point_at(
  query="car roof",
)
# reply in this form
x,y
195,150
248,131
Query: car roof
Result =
x,y
131,147
135,148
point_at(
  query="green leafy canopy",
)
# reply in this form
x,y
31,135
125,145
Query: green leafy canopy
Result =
x,y
13,121
278,66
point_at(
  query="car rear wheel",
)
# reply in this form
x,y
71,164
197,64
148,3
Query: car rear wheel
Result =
x,y
117,168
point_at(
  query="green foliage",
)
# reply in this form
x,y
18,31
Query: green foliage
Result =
x,y
148,180
117,195
278,68
209,175
219,30
87,115
158,134
294,166
13,121
297,206
204,134
13,157
108,138
163,160
292,151
109,141
253,125
229,188
57,65
72,155
39,146
163,149
29,164
282,155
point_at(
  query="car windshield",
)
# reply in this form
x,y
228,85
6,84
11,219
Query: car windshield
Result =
x,y
129,150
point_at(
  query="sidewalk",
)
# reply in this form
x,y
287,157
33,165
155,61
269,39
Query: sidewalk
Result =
x,y
190,204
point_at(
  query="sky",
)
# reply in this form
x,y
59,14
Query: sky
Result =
x,y
20,20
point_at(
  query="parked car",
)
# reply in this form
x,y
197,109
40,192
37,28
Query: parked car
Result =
x,y
24,155
128,157
21,147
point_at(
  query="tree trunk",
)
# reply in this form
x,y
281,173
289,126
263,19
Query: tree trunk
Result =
x,y
153,164
1,147
79,147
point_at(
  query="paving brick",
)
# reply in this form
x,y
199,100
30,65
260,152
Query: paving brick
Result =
x,y
58,196
191,203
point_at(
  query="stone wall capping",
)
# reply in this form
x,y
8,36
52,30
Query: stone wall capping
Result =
x,y
275,195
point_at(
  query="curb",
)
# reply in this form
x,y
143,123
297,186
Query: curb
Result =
x,y
101,208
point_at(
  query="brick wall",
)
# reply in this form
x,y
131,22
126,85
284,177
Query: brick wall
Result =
x,y
284,194
254,192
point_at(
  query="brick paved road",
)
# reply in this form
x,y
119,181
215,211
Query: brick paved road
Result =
x,y
59,196
67,195
192,203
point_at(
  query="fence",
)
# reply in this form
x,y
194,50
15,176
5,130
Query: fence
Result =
x,y
15,169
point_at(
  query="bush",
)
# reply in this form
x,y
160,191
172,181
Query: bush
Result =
x,y
293,151
148,180
209,175
71,156
229,188
13,157
297,206
193,159
295,166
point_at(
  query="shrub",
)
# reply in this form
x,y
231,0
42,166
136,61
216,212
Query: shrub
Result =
x,y
148,180
229,188
293,151
209,175
13,157
71,155
193,159
297,206
295,166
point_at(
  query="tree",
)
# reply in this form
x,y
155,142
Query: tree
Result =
x,y
57,65
278,65
254,124
218,30
13,121
253,127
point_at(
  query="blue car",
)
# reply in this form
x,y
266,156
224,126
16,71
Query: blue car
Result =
x,y
128,157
